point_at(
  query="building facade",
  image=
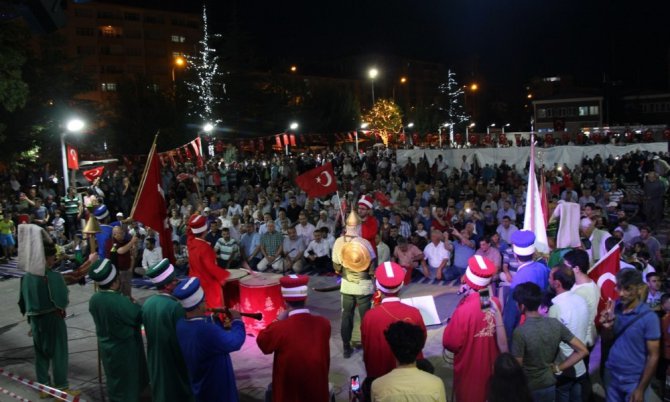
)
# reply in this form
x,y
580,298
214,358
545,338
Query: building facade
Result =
x,y
114,43
568,114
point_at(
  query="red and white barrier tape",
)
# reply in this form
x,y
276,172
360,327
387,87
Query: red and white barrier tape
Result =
x,y
13,395
63,396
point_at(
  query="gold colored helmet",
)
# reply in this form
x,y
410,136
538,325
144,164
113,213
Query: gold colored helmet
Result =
x,y
353,219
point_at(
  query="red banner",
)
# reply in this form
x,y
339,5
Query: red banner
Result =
x,y
72,158
319,181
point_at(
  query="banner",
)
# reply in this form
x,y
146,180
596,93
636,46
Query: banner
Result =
x,y
319,181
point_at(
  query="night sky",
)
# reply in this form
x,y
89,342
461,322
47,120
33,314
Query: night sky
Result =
x,y
501,42
504,42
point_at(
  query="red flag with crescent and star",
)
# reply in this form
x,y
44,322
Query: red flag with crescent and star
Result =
x,y
150,206
93,174
72,158
319,181
603,274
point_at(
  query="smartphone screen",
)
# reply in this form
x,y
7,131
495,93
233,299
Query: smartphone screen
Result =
x,y
355,383
484,299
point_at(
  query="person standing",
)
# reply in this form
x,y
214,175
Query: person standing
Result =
x,y
160,313
536,342
369,225
406,380
353,257
120,252
118,324
295,360
202,262
475,333
633,333
523,245
43,299
654,191
573,311
73,208
206,345
377,354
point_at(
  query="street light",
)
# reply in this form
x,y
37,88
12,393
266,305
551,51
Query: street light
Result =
x,y
294,69
364,125
488,128
403,80
207,128
410,125
179,62
74,125
294,126
474,86
503,129
372,73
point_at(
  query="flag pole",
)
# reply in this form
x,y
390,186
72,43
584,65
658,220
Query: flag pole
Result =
x,y
144,175
339,206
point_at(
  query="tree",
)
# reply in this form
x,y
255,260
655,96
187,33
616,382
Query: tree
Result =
x,y
452,107
385,118
207,78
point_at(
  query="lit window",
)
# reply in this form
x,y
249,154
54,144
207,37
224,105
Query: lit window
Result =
x,y
594,110
178,38
583,110
108,86
541,113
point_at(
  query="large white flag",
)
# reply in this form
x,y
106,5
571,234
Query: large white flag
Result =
x,y
533,219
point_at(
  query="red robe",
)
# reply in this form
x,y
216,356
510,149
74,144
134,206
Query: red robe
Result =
x,y
377,355
300,368
369,229
202,264
471,336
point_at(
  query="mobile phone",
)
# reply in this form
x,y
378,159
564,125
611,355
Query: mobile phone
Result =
x,y
355,383
484,299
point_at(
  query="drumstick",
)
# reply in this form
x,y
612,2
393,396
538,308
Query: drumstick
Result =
x,y
250,272
224,310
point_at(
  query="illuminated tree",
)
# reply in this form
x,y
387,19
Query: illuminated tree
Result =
x,y
385,118
452,107
207,77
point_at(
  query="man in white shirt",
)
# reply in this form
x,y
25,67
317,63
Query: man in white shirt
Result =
x,y
490,203
234,208
571,310
506,229
325,222
293,247
304,228
597,238
437,256
317,254
629,231
152,254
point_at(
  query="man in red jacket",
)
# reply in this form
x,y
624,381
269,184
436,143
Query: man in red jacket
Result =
x,y
300,369
475,334
369,224
377,355
202,262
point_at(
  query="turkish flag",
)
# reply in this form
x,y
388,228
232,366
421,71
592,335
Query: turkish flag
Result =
x,y
319,181
150,206
604,273
93,174
72,158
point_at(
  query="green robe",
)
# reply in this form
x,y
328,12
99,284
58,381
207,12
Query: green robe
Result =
x,y
117,322
44,299
167,371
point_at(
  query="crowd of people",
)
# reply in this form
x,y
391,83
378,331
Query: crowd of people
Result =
x,y
386,227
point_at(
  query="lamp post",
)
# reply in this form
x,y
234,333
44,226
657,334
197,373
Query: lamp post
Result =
x,y
363,127
207,128
488,128
503,127
72,126
294,126
180,62
372,73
